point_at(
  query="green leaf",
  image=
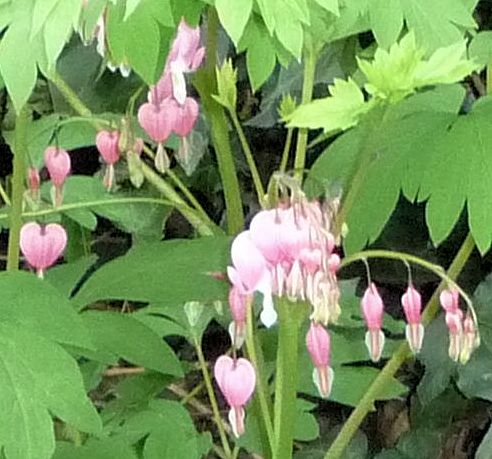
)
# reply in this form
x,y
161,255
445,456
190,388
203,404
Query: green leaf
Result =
x,y
37,306
170,272
340,111
140,40
484,451
104,448
169,430
480,49
410,149
289,31
329,5
131,5
66,277
58,28
38,378
386,21
234,16
438,23
306,427
121,335
396,73
19,80
260,52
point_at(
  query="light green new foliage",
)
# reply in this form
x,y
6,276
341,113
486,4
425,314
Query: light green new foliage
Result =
x,y
391,76
397,73
340,111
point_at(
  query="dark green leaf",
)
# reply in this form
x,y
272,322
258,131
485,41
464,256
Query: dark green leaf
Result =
x,y
170,272
123,336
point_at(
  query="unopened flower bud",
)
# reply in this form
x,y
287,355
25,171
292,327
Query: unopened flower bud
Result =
x,y
414,330
319,348
373,310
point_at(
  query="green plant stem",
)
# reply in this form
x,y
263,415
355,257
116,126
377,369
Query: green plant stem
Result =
x,y
285,154
488,73
4,195
206,85
183,188
310,58
205,228
213,400
19,172
261,383
89,205
260,191
290,316
402,353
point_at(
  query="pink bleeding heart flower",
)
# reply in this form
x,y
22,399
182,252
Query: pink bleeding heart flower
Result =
x,y
250,273
454,322
265,229
449,299
373,310
238,303
156,122
182,117
107,142
236,380
470,338
185,56
57,161
319,347
412,306
42,245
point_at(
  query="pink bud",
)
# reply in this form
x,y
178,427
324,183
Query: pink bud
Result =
x,y
334,262
42,245
107,144
57,161
412,305
450,299
318,345
236,380
372,308
238,304
470,339
33,179
455,326
155,121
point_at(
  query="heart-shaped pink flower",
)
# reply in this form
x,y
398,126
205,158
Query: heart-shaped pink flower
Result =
x,y
236,379
42,245
155,121
58,163
183,117
107,144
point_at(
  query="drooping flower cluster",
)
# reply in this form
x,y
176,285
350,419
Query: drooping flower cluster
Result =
x,y
289,252
42,245
463,331
168,108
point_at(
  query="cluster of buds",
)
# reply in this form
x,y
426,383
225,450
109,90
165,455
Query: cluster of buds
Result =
x,y
463,329
42,245
168,108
